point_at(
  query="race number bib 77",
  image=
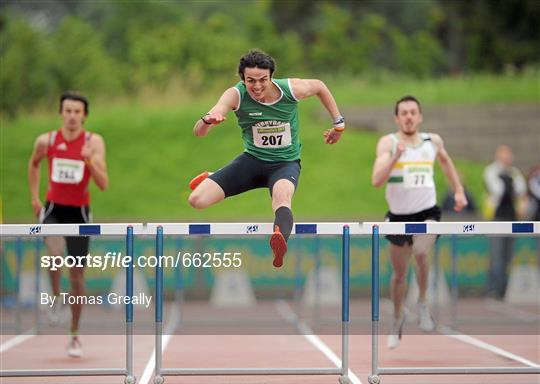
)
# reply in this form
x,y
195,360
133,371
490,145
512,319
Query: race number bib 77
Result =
x,y
276,136
67,171
418,176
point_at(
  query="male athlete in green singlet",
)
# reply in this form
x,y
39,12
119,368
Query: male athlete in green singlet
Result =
x,y
267,112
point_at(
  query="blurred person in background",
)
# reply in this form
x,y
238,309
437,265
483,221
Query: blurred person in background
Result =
x,y
506,188
75,156
267,113
405,162
533,184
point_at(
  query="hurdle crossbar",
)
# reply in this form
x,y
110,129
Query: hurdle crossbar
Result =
x,y
454,228
251,229
42,230
448,228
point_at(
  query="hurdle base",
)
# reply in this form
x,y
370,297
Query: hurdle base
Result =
x,y
248,371
458,370
62,372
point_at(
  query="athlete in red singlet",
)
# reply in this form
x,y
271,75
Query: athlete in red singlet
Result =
x,y
68,175
75,156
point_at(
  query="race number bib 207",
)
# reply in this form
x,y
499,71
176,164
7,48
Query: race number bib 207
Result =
x,y
67,171
274,136
418,176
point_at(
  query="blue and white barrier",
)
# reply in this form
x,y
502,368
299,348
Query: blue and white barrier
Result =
x,y
252,229
159,230
443,228
127,230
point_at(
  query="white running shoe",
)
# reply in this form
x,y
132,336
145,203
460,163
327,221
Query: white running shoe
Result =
x,y
394,337
425,320
75,347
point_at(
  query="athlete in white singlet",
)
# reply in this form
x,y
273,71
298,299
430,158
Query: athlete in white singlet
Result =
x,y
405,162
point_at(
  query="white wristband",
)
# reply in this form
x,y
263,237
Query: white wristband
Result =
x,y
339,121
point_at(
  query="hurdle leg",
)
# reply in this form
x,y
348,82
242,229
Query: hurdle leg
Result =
x,y
345,267
436,264
317,308
158,378
454,289
18,267
130,378
37,266
374,377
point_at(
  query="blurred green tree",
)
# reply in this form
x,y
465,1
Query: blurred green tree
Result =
x,y
80,60
26,66
123,46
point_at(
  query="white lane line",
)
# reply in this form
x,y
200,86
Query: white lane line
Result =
x,y
171,326
452,333
449,332
288,314
14,341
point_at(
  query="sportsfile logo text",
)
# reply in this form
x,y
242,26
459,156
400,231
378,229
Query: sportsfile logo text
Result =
x,y
117,260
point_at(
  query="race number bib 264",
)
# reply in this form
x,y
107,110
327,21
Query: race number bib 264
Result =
x,y
418,176
276,136
67,171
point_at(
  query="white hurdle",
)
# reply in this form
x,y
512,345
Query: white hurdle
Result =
x,y
257,229
443,228
251,229
43,230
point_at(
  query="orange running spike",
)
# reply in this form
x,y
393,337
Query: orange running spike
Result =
x,y
279,247
194,183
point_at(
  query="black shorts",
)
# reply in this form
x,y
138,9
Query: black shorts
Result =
x,y
246,172
433,213
53,213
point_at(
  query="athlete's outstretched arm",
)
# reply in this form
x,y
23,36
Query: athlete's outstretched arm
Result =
x,y
93,154
385,160
447,166
227,102
303,88
38,153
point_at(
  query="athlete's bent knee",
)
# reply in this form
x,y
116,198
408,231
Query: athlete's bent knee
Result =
x,y
281,199
399,278
196,201
422,260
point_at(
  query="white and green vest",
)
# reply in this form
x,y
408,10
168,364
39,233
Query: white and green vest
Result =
x,y
270,130
411,188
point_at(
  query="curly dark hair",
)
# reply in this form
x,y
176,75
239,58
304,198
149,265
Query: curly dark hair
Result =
x,y
256,59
